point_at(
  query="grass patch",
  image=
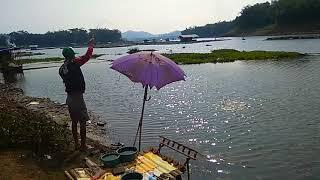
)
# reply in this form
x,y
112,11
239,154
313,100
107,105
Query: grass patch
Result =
x,y
21,54
230,55
20,127
52,59
29,61
95,56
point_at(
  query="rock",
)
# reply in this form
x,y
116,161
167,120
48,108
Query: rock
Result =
x,y
101,123
48,157
33,103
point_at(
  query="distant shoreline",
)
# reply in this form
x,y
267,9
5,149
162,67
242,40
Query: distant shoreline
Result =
x,y
137,44
222,38
276,35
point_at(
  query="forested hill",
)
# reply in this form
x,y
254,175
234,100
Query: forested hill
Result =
x,y
277,17
61,38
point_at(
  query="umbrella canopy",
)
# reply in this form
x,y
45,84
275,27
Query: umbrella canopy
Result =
x,y
149,68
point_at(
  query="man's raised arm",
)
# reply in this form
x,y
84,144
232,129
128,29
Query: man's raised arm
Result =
x,y
81,60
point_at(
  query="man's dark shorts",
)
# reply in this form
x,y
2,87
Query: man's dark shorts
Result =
x,y
77,107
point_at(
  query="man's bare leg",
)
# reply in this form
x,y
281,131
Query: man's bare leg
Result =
x,y
75,134
83,135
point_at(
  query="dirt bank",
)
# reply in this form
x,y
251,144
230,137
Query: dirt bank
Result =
x,y
53,111
35,137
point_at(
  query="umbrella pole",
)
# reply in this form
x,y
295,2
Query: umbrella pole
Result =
x,y
142,113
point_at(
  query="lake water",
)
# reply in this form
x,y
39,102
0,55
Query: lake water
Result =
x,y
252,119
251,43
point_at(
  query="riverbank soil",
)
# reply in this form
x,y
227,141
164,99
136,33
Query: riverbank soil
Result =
x,y
32,144
21,164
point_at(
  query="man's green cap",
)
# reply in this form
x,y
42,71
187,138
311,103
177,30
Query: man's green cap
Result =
x,y
68,52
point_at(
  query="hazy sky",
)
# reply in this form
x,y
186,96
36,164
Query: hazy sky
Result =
x,y
155,16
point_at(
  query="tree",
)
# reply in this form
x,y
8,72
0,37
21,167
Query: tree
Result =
x,y
105,36
256,16
279,13
294,12
70,37
79,36
210,30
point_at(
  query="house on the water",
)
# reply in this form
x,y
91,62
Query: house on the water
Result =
x,y
33,47
7,60
188,37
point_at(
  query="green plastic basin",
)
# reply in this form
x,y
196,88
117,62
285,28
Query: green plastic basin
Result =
x,y
110,160
127,154
132,176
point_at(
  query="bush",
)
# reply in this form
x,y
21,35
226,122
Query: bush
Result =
x,y
133,50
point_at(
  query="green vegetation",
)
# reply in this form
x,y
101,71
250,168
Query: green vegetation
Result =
x,y
21,54
52,59
95,56
256,16
29,61
3,40
34,136
211,30
284,16
133,50
229,55
136,50
71,37
20,127
105,36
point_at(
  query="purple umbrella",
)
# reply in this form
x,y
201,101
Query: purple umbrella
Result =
x,y
151,70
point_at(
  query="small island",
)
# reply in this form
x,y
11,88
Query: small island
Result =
x,y
230,55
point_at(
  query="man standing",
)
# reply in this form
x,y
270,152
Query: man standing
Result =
x,y
74,83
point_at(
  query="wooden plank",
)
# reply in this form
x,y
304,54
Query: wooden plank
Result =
x,y
68,175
